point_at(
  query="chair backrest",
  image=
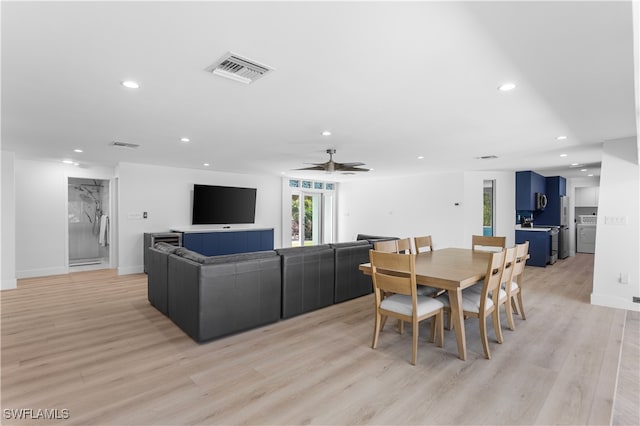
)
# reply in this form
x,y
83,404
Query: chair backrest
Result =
x,y
404,245
387,246
493,278
522,250
509,266
483,243
393,272
423,244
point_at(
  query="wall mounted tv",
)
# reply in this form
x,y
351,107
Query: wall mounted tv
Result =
x,y
223,205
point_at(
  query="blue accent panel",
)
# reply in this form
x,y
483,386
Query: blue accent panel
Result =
x,y
229,242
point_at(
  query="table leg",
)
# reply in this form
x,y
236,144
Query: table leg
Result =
x,y
455,300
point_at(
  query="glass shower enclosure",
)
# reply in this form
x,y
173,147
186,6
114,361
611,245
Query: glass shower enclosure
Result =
x,y
88,207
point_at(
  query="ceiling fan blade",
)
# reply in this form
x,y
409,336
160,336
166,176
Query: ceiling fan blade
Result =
x,y
313,168
350,164
352,169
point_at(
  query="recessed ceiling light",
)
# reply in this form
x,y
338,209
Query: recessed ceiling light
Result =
x,y
563,155
185,140
420,157
130,84
561,138
575,164
326,133
506,87
67,161
76,164
583,170
206,164
590,174
77,150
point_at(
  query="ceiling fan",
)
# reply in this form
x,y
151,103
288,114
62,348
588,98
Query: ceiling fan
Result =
x,y
333,166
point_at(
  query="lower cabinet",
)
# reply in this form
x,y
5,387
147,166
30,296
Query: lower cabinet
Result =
x,y
539,246
217,243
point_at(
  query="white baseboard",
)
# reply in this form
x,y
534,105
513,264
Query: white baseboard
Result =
x,y
32,273
9,284
128,270
614,302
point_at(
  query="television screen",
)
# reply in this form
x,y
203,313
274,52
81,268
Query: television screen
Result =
x,y
223,205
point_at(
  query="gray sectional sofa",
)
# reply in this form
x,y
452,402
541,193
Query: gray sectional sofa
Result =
x,y
212,296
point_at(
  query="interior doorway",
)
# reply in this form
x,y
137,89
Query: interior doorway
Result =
x,y
88,223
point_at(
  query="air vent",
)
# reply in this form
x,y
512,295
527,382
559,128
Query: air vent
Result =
x,y
487,157
124,144
237,68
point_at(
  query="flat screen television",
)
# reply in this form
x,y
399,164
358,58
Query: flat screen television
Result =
x,y
223,205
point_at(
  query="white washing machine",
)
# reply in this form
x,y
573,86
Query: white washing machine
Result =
x,y
586,234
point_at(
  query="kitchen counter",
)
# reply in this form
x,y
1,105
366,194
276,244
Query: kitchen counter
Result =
x,y
541,229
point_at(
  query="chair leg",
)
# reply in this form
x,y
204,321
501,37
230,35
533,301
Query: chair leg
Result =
x,y
521,305
384,321
440,327
496,324
376,331
483,337
400,326
449,321
514,306
432,338
415,341
509,311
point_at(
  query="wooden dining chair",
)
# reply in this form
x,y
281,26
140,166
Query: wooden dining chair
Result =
x,y
386,246
486,302
513,287
423,244
395,273
481,242
404,245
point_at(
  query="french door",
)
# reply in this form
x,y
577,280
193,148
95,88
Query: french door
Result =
x,y
312,220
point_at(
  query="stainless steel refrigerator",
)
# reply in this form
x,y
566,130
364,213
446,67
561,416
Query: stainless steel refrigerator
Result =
x,y
563,243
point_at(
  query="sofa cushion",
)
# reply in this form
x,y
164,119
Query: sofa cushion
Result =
x,y
239,257
165,247
351,244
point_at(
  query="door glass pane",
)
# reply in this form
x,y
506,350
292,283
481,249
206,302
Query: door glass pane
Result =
x,y
312,219
327,215
295,220
488,208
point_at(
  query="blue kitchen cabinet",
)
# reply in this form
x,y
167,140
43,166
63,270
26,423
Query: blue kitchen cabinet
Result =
x,y
539,246
528,183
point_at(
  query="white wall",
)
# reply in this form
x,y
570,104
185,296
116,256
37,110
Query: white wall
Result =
x,y
41,215
425,204
617,246
165,193
7,227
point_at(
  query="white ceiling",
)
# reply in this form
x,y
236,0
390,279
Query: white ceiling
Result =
x,y
391,81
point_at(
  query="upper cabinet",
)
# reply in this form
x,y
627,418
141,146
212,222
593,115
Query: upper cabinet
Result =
x,y
587,196
527,185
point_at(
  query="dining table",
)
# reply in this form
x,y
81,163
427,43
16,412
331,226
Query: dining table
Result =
x,y
451,269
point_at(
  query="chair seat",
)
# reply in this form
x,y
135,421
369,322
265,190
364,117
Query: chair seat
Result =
x,y
401,303
470,300
514,285
425,290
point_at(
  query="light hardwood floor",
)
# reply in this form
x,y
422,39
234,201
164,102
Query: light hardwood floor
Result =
x,y
89,342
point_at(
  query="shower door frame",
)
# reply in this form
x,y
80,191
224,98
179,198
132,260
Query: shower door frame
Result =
x,y
112,200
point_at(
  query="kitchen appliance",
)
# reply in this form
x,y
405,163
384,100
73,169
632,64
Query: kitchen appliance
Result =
x,y
541,201
586,233
554,233
563,238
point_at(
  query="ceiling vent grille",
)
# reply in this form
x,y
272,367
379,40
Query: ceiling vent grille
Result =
x,y
237,68
124,144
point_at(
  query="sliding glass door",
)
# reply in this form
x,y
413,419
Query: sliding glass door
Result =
x,y
312,216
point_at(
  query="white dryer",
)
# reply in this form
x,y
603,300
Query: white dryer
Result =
x,y
586,234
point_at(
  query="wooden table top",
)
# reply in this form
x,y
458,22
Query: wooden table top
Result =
x,y
449,268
